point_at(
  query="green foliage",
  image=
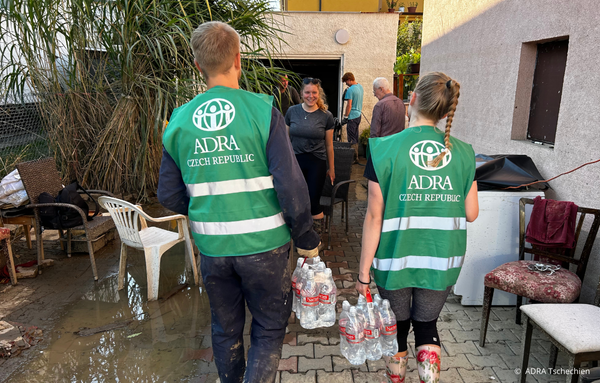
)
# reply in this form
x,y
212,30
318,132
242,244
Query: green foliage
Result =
x,y
404,60
364,136
413,4
409,37
391,4
108,74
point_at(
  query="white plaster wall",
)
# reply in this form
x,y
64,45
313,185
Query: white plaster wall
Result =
x,y
479,44
370,52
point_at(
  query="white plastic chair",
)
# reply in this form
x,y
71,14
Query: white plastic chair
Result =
x,y
153,240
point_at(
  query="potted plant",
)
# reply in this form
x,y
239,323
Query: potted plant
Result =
x,y
364,139
412,7
415,63
391,5
401,7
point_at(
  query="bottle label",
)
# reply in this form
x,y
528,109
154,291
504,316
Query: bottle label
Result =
x,y
389,330
293,285
354,338
342,330
310,301
297,293
326,298
371,334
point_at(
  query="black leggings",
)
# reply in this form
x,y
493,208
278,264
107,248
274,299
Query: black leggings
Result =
x,y
423,307
314,170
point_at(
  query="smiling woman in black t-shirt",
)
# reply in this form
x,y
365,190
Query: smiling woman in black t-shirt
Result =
x,y
311,132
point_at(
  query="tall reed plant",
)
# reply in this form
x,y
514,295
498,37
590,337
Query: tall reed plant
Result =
x,y
108,73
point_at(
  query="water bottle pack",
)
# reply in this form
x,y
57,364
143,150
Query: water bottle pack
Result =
x,y
314,293
367,330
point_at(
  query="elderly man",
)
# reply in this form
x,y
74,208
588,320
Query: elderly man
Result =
x,y
389,113
228,164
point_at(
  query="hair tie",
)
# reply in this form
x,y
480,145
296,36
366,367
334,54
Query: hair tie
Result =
x,y
449,84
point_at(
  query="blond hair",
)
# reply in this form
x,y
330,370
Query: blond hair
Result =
x,y
321,101
215,46
437,96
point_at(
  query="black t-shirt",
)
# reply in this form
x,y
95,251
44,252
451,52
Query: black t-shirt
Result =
x,y
307,130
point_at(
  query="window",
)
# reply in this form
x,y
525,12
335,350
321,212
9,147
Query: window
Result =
x,y
539,90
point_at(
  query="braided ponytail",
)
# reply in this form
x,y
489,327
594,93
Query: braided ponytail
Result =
x,y
452,92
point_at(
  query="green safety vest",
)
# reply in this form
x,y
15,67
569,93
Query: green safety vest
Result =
x,y
218,140
423,237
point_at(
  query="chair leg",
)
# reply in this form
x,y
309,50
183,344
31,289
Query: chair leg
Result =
x,y
90,250
343,202
39,241
525,350
152,271
61,236
574,366
190,254
11,263
519,304
122,266
329,231
347,217
485,314
69,242
553,356
28,235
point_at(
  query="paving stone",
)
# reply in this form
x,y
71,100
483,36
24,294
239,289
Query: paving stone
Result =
x,y
451,376
348,271
349,291
340,363
370,377
376,365
464,336
309,377
332,265
477,376
479,361
504,335
289,364
448,325
494,348
343,277
334,252
454,349
321,350
334,377
470,324
324,363
306,350
460,360
334,340
310,338
506,376
348,284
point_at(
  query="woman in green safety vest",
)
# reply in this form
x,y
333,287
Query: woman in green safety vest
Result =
x,y
421,195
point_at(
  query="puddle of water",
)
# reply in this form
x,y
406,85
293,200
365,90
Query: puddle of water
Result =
x,y
170,332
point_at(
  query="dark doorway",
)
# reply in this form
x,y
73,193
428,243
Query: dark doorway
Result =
x,y
328,71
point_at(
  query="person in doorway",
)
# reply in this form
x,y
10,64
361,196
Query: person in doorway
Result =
x,y
352,114
389,112
228,164
421,195
286,95
311,132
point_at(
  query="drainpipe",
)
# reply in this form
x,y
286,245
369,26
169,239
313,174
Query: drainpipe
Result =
x,y
320,2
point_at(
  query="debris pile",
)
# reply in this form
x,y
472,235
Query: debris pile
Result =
x,y
14,338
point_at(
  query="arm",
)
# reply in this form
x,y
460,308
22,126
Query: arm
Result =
x,y
172,192
290,186
329,148
472,203
371,235
348,108
295,96
376,121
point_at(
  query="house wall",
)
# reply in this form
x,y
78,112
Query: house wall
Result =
x,y
346,5
480,44
370,52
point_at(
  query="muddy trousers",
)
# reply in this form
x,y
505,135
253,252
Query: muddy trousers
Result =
x,y
262,281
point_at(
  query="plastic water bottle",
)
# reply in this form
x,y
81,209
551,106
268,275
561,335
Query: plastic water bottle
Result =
x,y
372,333
310,302
299,284
343,322
355,336
327,300
361,308
313,260
389,341
295,277
377,300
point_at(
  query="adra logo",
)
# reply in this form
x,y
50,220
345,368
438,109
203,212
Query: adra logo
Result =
x,y
215,114
424,151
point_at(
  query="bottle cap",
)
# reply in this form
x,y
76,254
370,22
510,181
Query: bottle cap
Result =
x,y
345,305
353,310
328,271
311,274
300,261
385,303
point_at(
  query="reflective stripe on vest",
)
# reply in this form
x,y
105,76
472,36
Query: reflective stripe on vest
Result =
x,y
238,227
433,223
230,186
417,262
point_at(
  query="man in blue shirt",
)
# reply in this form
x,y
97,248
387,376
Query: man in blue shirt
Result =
x,y
354,96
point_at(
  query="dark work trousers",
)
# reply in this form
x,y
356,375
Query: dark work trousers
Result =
x,y
263,282
315,171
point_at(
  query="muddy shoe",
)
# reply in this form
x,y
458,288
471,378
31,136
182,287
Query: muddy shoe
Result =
x,y
318,226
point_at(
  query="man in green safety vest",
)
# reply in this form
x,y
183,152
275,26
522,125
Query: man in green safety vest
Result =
x,y
228,164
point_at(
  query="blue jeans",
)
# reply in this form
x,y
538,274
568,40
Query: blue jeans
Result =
x,y
263,282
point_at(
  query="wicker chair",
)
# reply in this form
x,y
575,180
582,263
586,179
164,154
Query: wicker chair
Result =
x,y
42,176
338,192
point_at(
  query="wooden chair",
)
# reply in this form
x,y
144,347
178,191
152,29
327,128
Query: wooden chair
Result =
x,y
6,249
130,221
338,192
42,176
572,328
563,286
